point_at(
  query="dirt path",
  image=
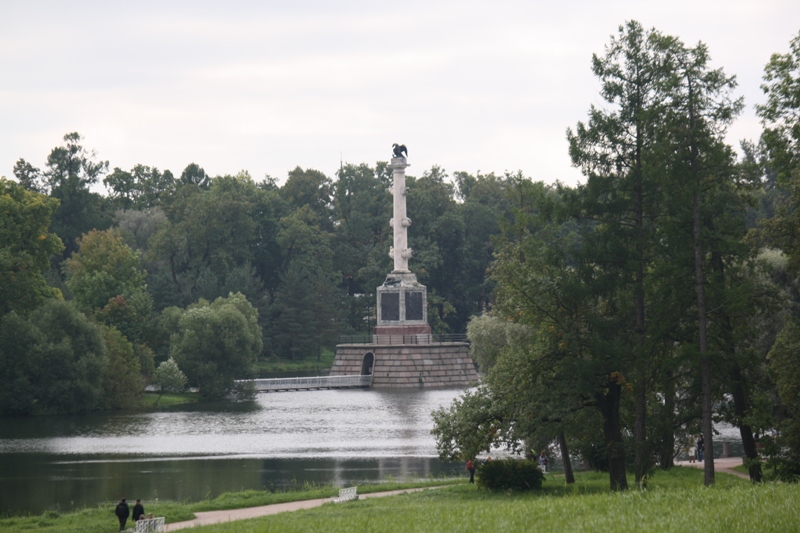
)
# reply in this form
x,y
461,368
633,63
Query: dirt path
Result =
x,y
725,465
215,517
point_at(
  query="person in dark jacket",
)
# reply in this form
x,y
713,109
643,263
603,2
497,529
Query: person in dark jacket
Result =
x,y
122,513
138,511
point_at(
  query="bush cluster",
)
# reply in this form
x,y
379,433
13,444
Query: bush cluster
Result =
x,y
510,474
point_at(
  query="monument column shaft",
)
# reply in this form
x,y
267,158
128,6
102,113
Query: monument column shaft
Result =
x,y
400,229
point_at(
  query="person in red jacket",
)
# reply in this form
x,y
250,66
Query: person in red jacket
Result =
x,y
471,469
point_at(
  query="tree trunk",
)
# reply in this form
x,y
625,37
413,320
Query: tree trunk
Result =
x,y
642,461
702,329
740,404
612,434
740,408
562,442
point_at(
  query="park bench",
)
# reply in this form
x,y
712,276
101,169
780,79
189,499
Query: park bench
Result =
x,y
346,495
148,525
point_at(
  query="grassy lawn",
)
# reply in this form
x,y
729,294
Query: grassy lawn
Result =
x,y
741,468
303,365
102,519
148,399
674,501
768,473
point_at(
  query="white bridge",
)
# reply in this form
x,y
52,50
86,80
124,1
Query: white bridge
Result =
x,y
310,383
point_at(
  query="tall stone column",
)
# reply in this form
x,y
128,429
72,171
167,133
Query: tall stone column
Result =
x,y
402,300
403,353
400,252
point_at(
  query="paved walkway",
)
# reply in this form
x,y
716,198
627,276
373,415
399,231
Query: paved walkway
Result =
x,y
720,465
215,517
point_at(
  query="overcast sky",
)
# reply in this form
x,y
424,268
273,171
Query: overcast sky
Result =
x,y
265,86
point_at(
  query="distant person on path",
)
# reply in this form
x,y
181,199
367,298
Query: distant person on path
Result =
x,y
543,460
692,451
122,512
138,511
471,469
701,448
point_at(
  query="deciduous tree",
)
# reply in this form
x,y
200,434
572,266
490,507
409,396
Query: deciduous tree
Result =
x,y
217,343
104,267
26,246
122,381
70,172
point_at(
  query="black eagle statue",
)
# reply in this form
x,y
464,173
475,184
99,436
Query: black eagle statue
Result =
x,y
399,150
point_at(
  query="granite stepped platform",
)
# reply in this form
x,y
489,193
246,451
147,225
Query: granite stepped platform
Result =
x,y
406,366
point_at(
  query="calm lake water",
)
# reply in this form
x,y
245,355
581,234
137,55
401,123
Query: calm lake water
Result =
x,y
278,441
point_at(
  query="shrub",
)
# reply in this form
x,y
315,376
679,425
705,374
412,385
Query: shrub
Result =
x,y
169,377
510,474
217,343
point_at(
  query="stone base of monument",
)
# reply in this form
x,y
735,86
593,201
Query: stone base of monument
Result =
x,y
402,334
406,366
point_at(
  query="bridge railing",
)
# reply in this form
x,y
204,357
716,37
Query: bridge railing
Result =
x,y
421,338
317,382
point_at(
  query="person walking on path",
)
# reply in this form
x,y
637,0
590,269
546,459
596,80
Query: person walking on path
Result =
x,y
138,511
471,469
543,460
122,512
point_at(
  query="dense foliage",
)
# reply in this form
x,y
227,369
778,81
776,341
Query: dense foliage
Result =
x,y
169,263
217,342
510,474
26,244
52,361
646,302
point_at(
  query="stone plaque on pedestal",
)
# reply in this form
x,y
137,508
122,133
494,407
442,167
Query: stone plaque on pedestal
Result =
x,y
390,306
414,305
402,301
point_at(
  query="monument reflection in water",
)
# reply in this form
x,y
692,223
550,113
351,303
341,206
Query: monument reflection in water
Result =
x,y
279,441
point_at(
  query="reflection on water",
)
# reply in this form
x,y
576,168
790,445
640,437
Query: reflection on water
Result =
x,y
36,482
279,440
193,452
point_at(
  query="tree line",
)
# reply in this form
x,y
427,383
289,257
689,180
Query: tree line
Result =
x,y
218,272
660,295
